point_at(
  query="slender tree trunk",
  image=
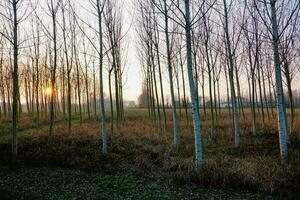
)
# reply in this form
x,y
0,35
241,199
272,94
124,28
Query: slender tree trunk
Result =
x,y
37,52
196,120
53,72
161,84
219,97
94,92
155,84
15,82
78,83
178,90
184,92
271,101
2,82
102,107
170,70
8,88
215,93
260,94
253,102
69,67
265,93
63,100
239,93
227,89
26,86
203,93
231,79
290,94
111,105
280,99
87,87
210,79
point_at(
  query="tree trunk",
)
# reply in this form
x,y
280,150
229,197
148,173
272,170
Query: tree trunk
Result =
x,y
170,70
53,71
102,107
161,82
196,120
280,100
231,80
15,82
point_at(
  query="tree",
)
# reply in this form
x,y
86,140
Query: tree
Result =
x,y
196,120
13,38
163,8
15,78
230,54
270,7
53,10
100,7
69,64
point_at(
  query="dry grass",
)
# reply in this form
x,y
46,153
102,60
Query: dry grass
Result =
x,y
138,147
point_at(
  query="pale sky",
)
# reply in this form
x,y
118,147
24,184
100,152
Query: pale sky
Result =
x,y
133,75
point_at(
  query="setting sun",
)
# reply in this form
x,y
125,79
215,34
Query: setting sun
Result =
x,y
48,91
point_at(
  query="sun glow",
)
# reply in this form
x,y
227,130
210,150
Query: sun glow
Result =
x,y
48,91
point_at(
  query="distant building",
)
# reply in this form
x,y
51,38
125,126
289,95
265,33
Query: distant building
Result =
x,y
130,104
225,105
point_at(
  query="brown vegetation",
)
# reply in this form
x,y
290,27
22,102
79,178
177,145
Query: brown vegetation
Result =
x,y
138,148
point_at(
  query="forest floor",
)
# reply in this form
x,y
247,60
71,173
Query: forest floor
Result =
x,y
141,165
59,183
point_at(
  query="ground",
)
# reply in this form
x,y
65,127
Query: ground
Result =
x,y
142,165
58,183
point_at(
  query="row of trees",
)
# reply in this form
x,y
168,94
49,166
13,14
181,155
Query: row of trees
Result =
x,y
58,65
225,49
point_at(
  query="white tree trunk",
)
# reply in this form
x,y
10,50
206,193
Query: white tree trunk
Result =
x,y
196,121
280,100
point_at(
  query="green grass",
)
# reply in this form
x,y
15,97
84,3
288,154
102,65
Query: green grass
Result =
x,y
58,183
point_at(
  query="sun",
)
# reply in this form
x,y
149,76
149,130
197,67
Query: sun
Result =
x,y
48,91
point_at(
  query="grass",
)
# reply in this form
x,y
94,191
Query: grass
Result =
x,y
53,183
137,151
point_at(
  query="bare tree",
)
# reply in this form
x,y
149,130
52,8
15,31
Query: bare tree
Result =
x,y
268,15
14,18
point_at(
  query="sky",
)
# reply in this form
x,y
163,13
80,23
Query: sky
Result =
x,y
133,76
133,72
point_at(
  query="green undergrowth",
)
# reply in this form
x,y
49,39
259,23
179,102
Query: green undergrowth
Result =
x,y
58,183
